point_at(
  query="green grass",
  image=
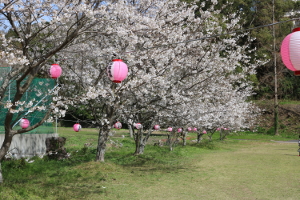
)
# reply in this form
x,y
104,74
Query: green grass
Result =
x,y
252,168
284,102
271,102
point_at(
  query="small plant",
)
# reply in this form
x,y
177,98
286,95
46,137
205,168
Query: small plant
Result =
x,y
271,131
16,164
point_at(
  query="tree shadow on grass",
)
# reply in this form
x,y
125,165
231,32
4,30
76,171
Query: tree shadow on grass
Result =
x,y
206,144
51,179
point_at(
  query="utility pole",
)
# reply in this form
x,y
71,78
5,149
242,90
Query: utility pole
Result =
x,y
276,113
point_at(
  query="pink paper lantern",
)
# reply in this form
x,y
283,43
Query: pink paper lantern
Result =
x,y
179,130
55,71
156,127
117,71
290,51
118,125
170,129
218,129
204,132
195,129
189,129
138,126
76,127
24,123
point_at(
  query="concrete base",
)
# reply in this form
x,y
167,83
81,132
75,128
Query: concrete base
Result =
x,y
28,145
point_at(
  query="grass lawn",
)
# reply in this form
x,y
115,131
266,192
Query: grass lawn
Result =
x,y
231,169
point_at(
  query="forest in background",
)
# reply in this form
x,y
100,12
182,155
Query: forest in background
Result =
x,y
257,14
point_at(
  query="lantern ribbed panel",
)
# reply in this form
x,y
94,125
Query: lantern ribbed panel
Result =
x,y
117,71
285,52
138,126
156,127
295,50
120,71
118,125
55,71
24,123
76,127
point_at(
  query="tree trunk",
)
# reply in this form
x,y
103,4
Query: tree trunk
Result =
x,y
168,142
225,133
210,134
184,138
4,149
172,139
142,142
199,137
131,131
137,141
1,177
276,112
103,133
102,139
141,149
5,145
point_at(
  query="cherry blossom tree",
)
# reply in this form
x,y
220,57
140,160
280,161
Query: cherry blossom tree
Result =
x,y
176,71
177,68
39,30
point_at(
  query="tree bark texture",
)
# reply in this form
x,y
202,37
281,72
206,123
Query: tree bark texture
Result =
x,y
184,138
140,141
5,145
131,131
104,133
224,134
1,177
102,139
172,139
199,137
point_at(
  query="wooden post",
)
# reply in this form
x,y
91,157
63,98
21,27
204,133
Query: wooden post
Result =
x,y
276,124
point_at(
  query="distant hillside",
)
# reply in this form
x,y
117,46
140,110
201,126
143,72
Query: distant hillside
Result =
x,y
289,117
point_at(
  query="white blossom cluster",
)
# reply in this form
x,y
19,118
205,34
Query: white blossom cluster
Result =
x,y
178,74
182,83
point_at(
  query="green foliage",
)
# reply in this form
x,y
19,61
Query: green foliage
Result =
x,y
206,144
124,174
270,131
255,14
16,164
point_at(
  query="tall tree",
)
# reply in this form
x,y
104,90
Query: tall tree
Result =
x,y
39,30
170,65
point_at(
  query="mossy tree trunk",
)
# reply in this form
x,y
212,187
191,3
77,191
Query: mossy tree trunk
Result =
x,y
102,139
199,137
183,136
1,177
104,134
140,141
173,138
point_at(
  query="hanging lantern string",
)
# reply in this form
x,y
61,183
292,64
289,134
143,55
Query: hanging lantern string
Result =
x,y
201,38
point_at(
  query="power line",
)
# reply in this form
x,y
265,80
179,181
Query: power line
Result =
x,y
221,34
201,38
